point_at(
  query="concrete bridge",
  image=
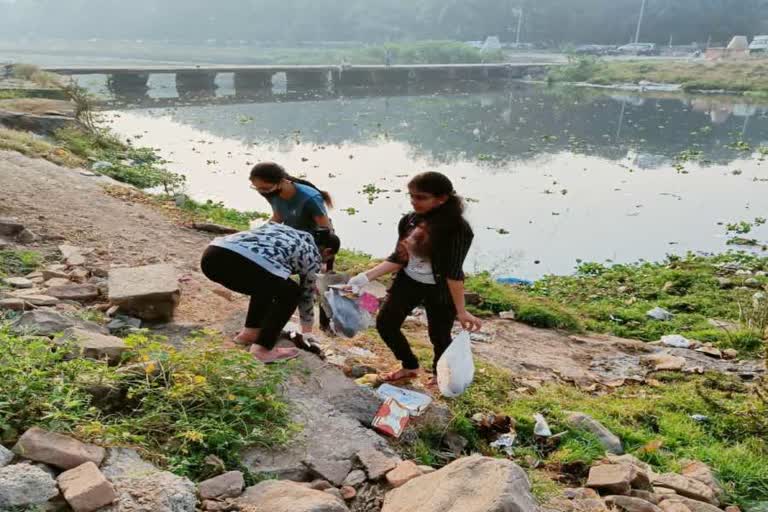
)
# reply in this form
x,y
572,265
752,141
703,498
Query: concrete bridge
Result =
x,y
197,79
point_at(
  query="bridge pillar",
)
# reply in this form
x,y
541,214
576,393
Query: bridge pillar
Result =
x,y
249,82
128,84
196,83
307,79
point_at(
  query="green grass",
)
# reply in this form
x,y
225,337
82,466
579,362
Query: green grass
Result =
x,y
140,167
353,262
36,147
178,406
733,440
616,299
535,311
742,76
17,263
216,212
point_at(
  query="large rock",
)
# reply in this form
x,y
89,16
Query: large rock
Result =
x,y
10,227
674,506
86,489
122,463
13,304
94,345
471,484
607,439
281,496
18,282
612,478
48,321
703,473
630,504
662,361
227,485
150,292
24,484
57,450
692,505
6,456
160,491
688,487
74,291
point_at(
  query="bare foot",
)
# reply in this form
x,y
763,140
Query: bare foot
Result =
x,y
401,374
274,355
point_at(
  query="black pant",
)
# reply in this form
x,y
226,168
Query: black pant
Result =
x,y
273,299
403,297
325,321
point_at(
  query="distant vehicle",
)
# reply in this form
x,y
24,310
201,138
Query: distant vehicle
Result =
x,y
759,45
639,49
594,49
520,46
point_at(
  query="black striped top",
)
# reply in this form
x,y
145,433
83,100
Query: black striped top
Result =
x,y
447,256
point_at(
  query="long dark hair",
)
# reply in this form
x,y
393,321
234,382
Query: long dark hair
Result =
x,y
442,221
272,172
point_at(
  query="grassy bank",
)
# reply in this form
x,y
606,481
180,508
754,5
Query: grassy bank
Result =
x,y
654,423
748,76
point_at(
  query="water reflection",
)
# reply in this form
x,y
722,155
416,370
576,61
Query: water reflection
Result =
x,y
557,175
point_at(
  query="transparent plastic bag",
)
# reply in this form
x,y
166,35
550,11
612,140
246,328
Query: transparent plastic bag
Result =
x,y
456,369
347,317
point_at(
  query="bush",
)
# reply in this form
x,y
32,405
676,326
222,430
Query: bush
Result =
x,y
578,69
177,405
13,263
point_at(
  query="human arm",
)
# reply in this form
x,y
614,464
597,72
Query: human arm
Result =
x,y
383,268
465,318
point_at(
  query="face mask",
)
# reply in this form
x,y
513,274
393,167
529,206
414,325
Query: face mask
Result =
x,y
272,194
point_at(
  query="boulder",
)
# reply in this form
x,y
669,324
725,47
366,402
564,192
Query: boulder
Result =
x,y
608,439
582,493
160,491
335,471
348,493
54,273
10,227
86,489
57,450
403,473
471,484
612,478
686,486
149,293
122,463
630,504
6,456
283,496
74,291
645,495
47,322
40,300
703,473
94,345
227,485
23,485
376,463
13,304
692,505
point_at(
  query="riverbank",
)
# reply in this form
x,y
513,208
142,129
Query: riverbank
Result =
x,y
748,77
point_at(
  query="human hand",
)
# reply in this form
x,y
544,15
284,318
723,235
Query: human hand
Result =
x,y
468,321
357,282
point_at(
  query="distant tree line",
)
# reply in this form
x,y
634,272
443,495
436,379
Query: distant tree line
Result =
x,y
553,22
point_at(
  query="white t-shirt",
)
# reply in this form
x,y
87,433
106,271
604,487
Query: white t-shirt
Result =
x,y
420,269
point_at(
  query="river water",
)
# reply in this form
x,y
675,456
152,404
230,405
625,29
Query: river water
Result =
x,y
552,176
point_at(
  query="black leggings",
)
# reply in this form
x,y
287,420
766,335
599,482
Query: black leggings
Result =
x,y
273,299
403,297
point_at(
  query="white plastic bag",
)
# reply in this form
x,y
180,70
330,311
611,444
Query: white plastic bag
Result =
x,y
456,369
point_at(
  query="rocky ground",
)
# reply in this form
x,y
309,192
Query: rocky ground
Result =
x,y
90,237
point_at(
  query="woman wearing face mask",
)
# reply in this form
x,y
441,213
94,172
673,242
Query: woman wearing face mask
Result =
x,y
433,242
296,203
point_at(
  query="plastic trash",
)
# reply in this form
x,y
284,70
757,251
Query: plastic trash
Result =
x,y
415,402
368,380
514,281
676,341
699,418
456,369
347,317
505,443
391,419
658,313
541,428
